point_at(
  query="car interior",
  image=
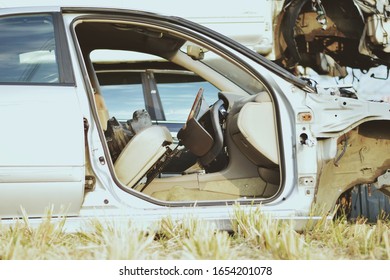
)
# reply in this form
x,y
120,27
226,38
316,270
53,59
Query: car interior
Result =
x,y
226,151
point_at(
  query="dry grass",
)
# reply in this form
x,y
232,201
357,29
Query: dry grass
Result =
x,y
254,236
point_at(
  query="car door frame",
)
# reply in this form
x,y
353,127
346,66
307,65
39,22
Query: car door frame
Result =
x,y
256,64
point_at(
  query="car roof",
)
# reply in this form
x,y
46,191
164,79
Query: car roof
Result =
x,y
243,8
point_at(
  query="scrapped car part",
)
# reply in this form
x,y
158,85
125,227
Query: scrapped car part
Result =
x,y
352,33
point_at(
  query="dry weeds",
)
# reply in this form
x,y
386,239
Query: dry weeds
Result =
x,y
254,236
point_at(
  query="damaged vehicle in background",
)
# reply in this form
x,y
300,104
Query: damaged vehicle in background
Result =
x,y
347,40
330,35
254,134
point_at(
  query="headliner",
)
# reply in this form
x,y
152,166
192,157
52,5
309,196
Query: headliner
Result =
x,y
119,36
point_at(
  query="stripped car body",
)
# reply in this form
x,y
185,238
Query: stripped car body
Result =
x,y
269,139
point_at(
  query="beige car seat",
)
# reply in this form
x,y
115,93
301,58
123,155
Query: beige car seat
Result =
x,y
144,149
142,153
255,135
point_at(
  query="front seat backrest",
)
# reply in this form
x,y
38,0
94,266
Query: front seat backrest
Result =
x,y
141,153
258,134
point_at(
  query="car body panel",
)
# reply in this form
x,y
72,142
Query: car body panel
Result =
x,y
42,151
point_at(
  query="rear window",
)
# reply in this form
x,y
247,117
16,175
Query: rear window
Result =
x,y
28,50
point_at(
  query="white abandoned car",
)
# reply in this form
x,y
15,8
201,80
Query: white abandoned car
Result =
x,y
95,137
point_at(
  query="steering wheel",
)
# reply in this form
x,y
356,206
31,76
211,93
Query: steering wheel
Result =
x,y
196,137
218,134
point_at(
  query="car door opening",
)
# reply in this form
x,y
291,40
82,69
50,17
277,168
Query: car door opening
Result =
x,y
227,151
